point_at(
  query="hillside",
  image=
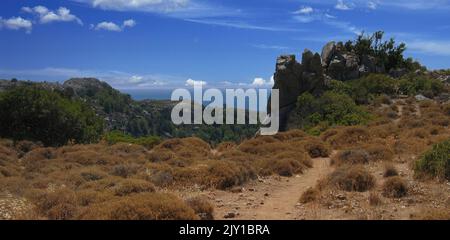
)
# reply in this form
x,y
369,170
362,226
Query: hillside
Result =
x,y
365,142
138,118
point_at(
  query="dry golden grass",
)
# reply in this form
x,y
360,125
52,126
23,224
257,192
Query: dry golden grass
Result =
x,y
432,214
146,206
347,137
375,199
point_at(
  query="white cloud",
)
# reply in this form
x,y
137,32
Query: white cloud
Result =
x,y
241,25
304,10
441,48
341,5
108,26
173,8
261,82
157,5
45,15
129,23
111,26
372,5
136,79
192,83
273,47
16,23
117,79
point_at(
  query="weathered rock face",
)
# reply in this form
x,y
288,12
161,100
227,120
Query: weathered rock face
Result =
x,y
293,78
340,64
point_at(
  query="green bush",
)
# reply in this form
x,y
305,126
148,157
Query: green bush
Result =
x,y
435,162
330,109
36,114
413,84
114,137
365,89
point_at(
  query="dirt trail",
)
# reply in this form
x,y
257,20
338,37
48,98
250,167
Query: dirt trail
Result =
x,y
272,199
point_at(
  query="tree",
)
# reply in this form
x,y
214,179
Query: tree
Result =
x,y
36,114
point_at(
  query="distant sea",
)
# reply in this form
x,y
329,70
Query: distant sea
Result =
x,y
163,94
152,94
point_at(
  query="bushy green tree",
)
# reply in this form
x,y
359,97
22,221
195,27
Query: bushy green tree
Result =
x,y
435,162
36,114
330,109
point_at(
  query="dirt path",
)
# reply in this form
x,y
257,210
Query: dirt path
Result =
x,y
274,198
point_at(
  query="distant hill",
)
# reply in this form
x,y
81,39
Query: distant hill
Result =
x,y
138,118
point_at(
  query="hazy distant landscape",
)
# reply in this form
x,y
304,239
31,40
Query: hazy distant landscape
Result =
x,y
364,115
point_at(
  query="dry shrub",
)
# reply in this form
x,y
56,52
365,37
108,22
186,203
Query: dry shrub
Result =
x,y
432,214
37,159
316,148
440,121
58,205
378,152
352,178
384,130
92,174
409,146
310,195
160,175
131,186
287,167
389,170
88,197
226,174
125,170
328,134
351,157
435,130
225,146
446,109
189,147
395,187
374,199
291,135
202,207
160,155
25,146
419,133
391,114
145,206
349,136
411,122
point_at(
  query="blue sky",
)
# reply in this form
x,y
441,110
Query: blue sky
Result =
x,y
151,44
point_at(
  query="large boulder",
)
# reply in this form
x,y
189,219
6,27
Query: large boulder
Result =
x,y
341,64
327,53
293,78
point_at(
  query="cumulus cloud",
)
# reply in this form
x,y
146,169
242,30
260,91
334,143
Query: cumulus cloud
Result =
x,y
341,5
372,5
431,47
129,23
156,5
111,26
16,23
45,15
190,82
305,10
261,82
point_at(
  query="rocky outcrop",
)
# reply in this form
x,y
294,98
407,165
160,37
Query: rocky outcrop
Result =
x,y
293,78
340,64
